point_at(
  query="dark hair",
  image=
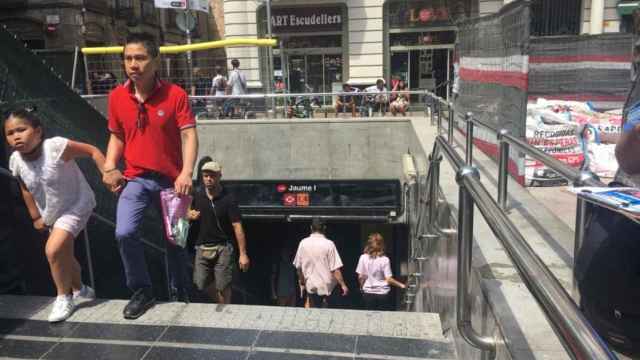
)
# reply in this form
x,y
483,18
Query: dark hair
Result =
x,y
317,225
27,114
235,63
380,81
146,40
218,69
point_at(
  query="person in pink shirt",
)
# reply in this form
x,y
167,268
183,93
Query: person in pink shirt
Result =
x,y
375,276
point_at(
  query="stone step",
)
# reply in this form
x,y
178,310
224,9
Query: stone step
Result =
x,y
97,330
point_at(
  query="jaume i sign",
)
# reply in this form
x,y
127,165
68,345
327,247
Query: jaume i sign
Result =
x,y
306,19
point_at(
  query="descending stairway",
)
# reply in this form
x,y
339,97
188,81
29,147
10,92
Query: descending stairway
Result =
x,y
209,331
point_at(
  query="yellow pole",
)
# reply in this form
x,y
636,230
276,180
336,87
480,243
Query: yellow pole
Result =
x,y
176,49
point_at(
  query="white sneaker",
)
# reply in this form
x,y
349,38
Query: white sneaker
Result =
x,y
86,293
63,307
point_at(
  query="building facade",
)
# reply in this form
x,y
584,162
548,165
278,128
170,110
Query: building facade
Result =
x,y
327,42
54,28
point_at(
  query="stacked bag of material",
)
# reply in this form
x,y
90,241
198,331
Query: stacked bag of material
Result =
x,y
574,133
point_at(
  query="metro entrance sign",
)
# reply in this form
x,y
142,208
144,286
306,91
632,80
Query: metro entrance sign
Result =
x,y
197,5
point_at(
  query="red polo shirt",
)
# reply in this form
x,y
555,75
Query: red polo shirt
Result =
x,y
153,144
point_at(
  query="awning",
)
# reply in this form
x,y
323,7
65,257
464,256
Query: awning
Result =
x,y
627,7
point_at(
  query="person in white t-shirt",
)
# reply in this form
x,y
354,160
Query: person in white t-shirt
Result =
x,y
318,264
237,85
58,198
375,276
377,101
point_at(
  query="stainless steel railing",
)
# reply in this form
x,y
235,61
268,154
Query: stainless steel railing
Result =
x,y
576,334
506,141
574,331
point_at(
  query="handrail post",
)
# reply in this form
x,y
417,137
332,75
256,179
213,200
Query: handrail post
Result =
x,y
434,164
581,212
451,117
465,245
436,111
431,108
503,169
87,248
468,117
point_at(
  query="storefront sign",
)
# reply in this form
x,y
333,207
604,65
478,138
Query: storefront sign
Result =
x,y
306,19
404,14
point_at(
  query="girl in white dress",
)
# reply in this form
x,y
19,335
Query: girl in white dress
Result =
x,y
58,198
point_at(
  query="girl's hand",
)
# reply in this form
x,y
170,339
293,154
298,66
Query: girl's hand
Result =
x,y
114,180
40,226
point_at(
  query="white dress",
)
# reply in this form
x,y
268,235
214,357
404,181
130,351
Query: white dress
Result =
x,y
59,188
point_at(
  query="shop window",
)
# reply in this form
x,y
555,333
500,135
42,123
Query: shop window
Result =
x,y
422,38
34,44
148,12
101,6
553,17
324,41
124,8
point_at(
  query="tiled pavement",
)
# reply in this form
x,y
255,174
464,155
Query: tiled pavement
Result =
x,y
205,331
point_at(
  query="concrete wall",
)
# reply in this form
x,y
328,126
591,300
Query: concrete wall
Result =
x,y
307,149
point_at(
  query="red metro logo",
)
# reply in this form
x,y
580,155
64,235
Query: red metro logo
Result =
x,y
289,199
281,188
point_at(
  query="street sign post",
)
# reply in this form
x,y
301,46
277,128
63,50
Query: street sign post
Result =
x,y
186,21
196,5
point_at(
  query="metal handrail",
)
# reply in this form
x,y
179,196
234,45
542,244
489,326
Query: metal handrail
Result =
x,y
506,140
309,94
576,334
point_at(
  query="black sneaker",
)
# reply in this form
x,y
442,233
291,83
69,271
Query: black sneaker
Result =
x,y
141,301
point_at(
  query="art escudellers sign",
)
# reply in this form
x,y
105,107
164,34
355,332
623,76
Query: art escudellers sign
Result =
x,y
306,19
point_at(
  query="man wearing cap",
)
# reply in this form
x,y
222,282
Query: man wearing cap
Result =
x,y
319,264
219,216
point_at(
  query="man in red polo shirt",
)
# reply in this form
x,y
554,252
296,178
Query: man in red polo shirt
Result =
x,y
153,129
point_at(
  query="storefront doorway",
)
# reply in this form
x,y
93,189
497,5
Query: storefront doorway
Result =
x,y
423,69
310,57
421,37
310,73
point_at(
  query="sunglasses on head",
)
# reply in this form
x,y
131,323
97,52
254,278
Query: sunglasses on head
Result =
x,y
142,116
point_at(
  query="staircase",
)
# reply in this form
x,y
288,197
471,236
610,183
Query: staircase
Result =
x,y
209,331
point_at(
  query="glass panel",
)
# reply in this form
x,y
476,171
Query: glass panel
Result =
x,y
332,76
315,74
423,38
297,71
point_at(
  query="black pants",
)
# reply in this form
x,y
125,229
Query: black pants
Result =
x,y
322,301
379,302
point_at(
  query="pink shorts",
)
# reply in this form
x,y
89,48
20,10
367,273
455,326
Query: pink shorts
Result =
x,y
72,223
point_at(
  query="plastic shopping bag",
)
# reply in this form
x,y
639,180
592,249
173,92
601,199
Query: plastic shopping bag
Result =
x,y
174,213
